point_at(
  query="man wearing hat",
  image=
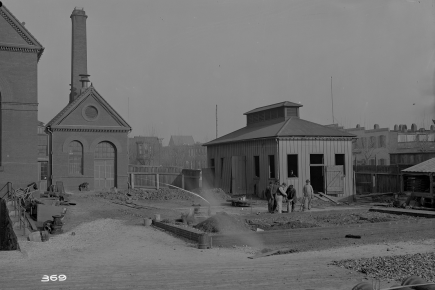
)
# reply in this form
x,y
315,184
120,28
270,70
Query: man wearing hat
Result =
x,y
308,195
280,194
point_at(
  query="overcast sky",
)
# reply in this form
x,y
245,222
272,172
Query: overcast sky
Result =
x,y
173,61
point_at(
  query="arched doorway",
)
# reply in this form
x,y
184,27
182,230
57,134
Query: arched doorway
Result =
x,y
104,166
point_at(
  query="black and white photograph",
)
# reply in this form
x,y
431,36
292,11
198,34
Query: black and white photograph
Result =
x,y
217,144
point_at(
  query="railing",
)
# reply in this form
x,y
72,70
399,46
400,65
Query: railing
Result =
x,y
17,197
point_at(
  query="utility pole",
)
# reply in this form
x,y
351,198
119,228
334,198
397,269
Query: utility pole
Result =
x,y
216,123
332,98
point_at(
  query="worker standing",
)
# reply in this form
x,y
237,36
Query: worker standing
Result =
x,y
308,195
275,187
269,197
291,198
280,194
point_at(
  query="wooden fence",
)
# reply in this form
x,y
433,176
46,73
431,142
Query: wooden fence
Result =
x,y
156,177
378,178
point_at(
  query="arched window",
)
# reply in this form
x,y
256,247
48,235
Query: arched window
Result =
x,y
75,159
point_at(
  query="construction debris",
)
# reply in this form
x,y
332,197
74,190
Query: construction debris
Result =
x,y
393,267
223,223
267,253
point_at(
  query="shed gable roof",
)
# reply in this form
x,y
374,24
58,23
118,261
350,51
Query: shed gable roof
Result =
x,y
277,105
23,40
293,127
427,166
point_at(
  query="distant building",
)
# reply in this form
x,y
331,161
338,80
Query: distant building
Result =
x,y
144,150
20,52
277,144
186,156
382,146
181,141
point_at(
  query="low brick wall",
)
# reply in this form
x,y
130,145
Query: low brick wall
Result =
x,y
189,234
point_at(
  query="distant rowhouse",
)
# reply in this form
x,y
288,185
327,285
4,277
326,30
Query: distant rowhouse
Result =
x,y
277,144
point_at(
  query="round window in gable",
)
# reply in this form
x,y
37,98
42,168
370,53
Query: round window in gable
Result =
x,y
90,113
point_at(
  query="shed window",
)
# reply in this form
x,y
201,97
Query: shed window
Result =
x,y
212,162
292,112
75,158
340,160
292,165
257,166
271,166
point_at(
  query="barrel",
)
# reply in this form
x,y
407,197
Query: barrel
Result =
x,y
147,222
157,217
203,242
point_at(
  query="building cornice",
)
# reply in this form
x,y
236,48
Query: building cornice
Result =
x,y
105,130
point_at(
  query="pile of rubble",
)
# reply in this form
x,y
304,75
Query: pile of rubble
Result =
x,y
393,267
162,194
223,223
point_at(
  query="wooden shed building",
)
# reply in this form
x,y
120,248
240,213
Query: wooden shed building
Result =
x,y
419,180
277,144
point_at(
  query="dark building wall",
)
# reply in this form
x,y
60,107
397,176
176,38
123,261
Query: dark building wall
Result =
x,y
19,109
89,140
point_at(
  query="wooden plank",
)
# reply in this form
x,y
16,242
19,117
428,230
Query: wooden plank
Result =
x,y
374,194
321,198
330,198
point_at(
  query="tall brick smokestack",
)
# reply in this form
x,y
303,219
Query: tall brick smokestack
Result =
x,y
78,51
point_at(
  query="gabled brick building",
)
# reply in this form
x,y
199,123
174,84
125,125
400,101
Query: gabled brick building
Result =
x,y
19,56
88,138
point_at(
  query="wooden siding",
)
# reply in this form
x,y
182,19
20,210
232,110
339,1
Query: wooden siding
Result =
x,y
261,148
304,147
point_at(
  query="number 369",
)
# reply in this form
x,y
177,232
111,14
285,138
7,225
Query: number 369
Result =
x,y
53,278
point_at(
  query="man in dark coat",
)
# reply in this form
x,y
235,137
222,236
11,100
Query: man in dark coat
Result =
x,y
269,197
291,198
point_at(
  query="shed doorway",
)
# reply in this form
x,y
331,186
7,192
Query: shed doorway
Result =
x,y
104,166
317,174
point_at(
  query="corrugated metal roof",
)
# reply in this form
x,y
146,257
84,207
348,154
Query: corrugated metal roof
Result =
x,y
282,104
427,166
293,127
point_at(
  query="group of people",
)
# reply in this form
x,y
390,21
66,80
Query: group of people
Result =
x,y
277,193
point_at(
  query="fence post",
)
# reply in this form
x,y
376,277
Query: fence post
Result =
x,y
157,181
132,180
182,180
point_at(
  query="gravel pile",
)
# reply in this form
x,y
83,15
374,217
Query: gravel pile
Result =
x,y
85,235
138,194
223,223
393,267
164,194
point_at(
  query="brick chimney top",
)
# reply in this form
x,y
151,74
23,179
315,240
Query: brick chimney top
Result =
x,y
78,11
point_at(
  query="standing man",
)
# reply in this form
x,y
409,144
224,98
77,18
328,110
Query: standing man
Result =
x,y
291,198
308,195
275,188
269,197
280,194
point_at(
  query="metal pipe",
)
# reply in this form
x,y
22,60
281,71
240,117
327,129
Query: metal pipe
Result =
x,y
50,157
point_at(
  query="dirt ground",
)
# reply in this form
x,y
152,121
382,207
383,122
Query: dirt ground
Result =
x,y
106,246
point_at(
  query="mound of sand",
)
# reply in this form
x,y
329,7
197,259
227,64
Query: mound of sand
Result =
x,y
223,223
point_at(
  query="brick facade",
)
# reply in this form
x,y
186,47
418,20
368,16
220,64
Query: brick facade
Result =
x,y
19,55
72,124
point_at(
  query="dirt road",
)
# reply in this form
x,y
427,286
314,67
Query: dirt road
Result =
x,y
111,249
